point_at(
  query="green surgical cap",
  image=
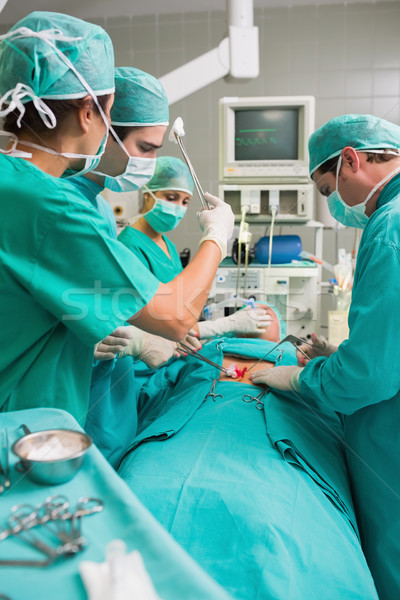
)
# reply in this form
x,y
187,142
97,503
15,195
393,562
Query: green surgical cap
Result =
x,y
361,132
30,58
171,174
140,99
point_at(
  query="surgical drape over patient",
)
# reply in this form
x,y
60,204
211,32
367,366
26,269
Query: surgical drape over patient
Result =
x,y
140,99
171,174
28,57
361,132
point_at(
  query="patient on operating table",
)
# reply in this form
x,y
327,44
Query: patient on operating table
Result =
x,y
260,498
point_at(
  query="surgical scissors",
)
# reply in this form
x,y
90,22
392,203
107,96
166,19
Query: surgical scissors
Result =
x,y
212,392
257,399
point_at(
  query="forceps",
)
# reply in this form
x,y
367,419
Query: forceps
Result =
x,y
289,338
212,392
177,132
257,399
203,358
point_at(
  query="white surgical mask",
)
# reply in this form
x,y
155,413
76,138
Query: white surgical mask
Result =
x,y
91,160
138,172
164,216
354,216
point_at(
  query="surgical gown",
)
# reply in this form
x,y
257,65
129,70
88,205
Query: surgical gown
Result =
x,y
112,415
60,280
259,498
362,381
163,267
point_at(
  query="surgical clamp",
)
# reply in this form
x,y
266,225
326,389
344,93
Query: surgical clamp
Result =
x,y
259,404
212,392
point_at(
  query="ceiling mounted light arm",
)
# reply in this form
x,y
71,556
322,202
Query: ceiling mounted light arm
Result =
x,y
236,57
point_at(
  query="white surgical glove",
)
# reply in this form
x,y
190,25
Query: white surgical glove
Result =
x,y
217,223
320,347
191,340
278,378
128,340
249,320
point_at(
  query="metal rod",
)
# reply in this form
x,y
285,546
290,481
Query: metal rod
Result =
x,y
292,339
196,181
203,358
7,462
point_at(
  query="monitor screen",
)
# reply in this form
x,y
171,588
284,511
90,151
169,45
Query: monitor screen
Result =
x,y
266,133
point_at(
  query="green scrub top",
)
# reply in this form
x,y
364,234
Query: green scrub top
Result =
x,y
65,284
362,380
92,191
163,268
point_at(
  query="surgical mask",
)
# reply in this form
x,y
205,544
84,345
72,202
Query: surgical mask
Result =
x,y
138,172
164,216
15,97
91,160
354,216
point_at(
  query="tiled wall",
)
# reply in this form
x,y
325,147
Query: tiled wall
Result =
x,y
347,56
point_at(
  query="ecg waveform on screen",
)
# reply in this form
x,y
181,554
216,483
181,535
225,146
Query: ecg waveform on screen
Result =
x,y
260,137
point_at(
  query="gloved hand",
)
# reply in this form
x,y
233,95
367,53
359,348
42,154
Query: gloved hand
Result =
x,y
249,320
128,340
190,340
278,378
217,223
320,347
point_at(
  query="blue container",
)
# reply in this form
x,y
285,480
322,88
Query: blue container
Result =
x,y
285,248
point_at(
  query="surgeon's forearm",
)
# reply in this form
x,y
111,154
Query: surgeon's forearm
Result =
x,y
177,305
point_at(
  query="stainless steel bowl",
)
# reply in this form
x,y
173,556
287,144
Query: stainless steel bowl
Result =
x,y
52,456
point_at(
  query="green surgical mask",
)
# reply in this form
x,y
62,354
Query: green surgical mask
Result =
x,y
164,216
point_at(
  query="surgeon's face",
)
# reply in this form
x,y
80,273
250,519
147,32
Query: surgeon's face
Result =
x,y
140,141
145,141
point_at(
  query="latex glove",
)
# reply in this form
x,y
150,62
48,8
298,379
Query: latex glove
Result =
x,y
217,223
128,340
123,341
279,378
190,340
320,347
249,320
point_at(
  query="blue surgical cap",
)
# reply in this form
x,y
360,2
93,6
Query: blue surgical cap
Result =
x,y
30,56
361,132
140,99
171,174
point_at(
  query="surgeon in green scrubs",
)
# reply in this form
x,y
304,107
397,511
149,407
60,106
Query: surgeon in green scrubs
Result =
x,y
141,104
65,282
355,163
164,201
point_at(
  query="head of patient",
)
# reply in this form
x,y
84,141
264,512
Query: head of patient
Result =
x,y
272,333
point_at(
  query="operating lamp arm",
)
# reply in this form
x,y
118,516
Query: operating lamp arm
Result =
x,y
236,57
